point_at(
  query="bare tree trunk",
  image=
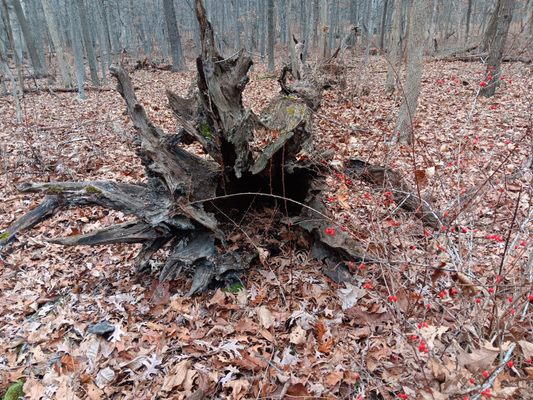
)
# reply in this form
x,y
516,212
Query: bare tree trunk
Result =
x,y
490,31
29,39
262,15
415,61
370,27
394,47
271,34
236,28
9,32
496,46
468,17
333,4
77,46
283,29
15,91
353,20
173,35
87,41
383,24
316,19
53,28
432,37
529,19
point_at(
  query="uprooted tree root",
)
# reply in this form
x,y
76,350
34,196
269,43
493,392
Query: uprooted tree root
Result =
x,y
186,200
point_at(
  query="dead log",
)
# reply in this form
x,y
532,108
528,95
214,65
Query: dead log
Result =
x,y
403,194
483,56
186,199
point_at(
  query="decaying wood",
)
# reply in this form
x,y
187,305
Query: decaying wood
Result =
x,y
483,56
49,206
181,205
403,194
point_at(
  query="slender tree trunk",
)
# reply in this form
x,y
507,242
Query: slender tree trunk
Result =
x,y
16,55
490,31
236,28
271,33
262,14
15,87
36,64
331,23
468,17
103,39
316,19
432,37
282,12
394,47
173,35
110,20
51,21
497,46
34,12
415,60
304,26
370,27
383,25
88,43
529,20
77,46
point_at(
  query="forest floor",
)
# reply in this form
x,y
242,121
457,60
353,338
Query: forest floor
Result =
x,y
449,315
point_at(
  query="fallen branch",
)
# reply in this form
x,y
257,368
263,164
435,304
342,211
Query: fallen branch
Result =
x,y
402,192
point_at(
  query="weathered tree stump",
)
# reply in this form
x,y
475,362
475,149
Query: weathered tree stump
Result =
x,y
185,197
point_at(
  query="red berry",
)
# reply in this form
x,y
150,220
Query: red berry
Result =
x,y
330,231
486,374
530,298
510,364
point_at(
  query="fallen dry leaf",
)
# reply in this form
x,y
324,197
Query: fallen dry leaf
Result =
x,y
297,336
266,320
176,376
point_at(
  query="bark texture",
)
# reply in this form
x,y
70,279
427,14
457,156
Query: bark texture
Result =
x,y
496,45
415,61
